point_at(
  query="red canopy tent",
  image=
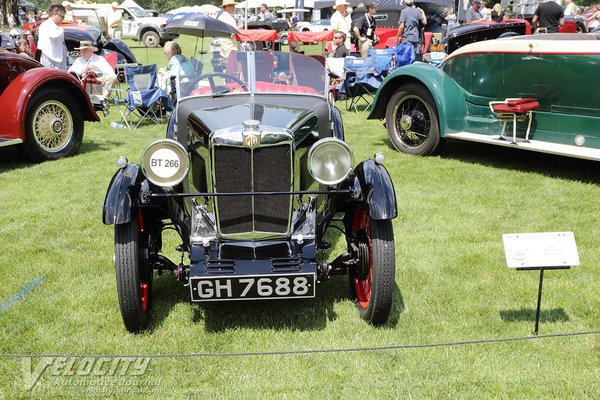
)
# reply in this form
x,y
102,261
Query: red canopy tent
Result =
x,y
256,35
311,37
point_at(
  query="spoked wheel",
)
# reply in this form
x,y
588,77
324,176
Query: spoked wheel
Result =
x,y
372,281
53,126
134,275
411,120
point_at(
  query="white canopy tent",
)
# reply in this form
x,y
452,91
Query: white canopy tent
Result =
x,y
206,9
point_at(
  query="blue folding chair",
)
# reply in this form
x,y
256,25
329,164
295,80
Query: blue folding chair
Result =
x,y
383,59
143,97
405,54
361,81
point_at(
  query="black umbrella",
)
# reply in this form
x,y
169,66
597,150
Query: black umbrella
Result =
x,y
198,25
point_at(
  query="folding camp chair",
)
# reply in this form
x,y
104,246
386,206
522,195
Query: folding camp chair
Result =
x,y
405,54
143,98
384,59
361,81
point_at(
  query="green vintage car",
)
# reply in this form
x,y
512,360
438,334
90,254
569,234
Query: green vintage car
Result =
x,y
533,92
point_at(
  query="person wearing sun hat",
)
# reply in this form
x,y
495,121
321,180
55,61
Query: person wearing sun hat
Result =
x,y
115,21
338,20
68,12
228,44
88,61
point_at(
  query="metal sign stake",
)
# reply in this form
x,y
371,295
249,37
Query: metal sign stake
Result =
x,y
537,252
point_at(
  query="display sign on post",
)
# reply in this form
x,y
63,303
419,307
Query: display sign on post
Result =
x,y
540,251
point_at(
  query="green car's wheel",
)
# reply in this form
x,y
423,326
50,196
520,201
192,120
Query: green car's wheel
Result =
x,y
134,275
411,120
372,282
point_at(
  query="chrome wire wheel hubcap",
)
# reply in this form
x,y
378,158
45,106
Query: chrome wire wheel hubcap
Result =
x,y
52,126
413,121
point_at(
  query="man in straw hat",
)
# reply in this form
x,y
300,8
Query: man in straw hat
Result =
x,y
88,61
228,44
338,20
115,21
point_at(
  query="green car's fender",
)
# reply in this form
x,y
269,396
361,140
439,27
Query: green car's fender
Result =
x,y
448,95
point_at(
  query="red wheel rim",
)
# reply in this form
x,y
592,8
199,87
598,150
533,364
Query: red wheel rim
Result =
x,y
144,295
362,287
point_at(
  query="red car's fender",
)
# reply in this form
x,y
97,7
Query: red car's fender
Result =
x,y
16,97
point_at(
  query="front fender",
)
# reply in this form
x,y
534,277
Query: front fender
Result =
x,y
447,94
372,183
122,190
16,96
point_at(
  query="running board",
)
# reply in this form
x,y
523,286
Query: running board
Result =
x,y
585,153
9,142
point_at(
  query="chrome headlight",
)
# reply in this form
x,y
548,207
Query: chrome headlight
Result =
x,y
165,162
330,161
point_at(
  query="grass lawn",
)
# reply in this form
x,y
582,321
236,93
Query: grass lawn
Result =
x,y
452,285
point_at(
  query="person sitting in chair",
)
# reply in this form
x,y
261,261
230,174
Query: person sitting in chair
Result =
x,y
90,62
339,49
178,65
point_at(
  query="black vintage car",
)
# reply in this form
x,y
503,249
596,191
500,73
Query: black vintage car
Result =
x,y
251,174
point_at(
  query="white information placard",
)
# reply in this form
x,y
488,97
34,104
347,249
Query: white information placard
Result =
x,y
543,249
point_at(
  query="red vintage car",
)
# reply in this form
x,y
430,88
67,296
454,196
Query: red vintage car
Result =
x,y
42,109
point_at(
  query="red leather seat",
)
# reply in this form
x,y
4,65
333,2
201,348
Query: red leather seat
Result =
x,y
520,109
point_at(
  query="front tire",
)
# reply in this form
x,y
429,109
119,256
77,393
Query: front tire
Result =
x,y
53,126
412,122
372,282
151,39
134,276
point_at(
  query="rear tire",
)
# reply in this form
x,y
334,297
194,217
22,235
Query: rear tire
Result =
x,y
372,285
134,276
412,122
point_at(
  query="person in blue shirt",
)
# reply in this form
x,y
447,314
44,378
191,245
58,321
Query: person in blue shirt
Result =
x,y
178,65
409,25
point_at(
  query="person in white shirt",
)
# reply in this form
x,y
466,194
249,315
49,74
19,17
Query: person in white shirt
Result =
x,y
115,21
51,39
228,44
90,62
338,20
571,8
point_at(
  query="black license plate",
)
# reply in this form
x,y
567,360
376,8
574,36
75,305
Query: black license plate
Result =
x,y
253,287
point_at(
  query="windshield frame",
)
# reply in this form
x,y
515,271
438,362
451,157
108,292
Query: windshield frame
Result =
x,y
297,75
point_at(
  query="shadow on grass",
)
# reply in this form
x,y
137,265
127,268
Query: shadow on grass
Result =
x,y
528,314
12,160
523,160
514,159
90,146
292,315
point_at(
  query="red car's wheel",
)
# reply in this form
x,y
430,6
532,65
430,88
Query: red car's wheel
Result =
x,y
134,275
53,126
372,282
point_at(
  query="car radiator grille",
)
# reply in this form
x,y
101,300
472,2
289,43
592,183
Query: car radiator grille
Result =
x,y
263,169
